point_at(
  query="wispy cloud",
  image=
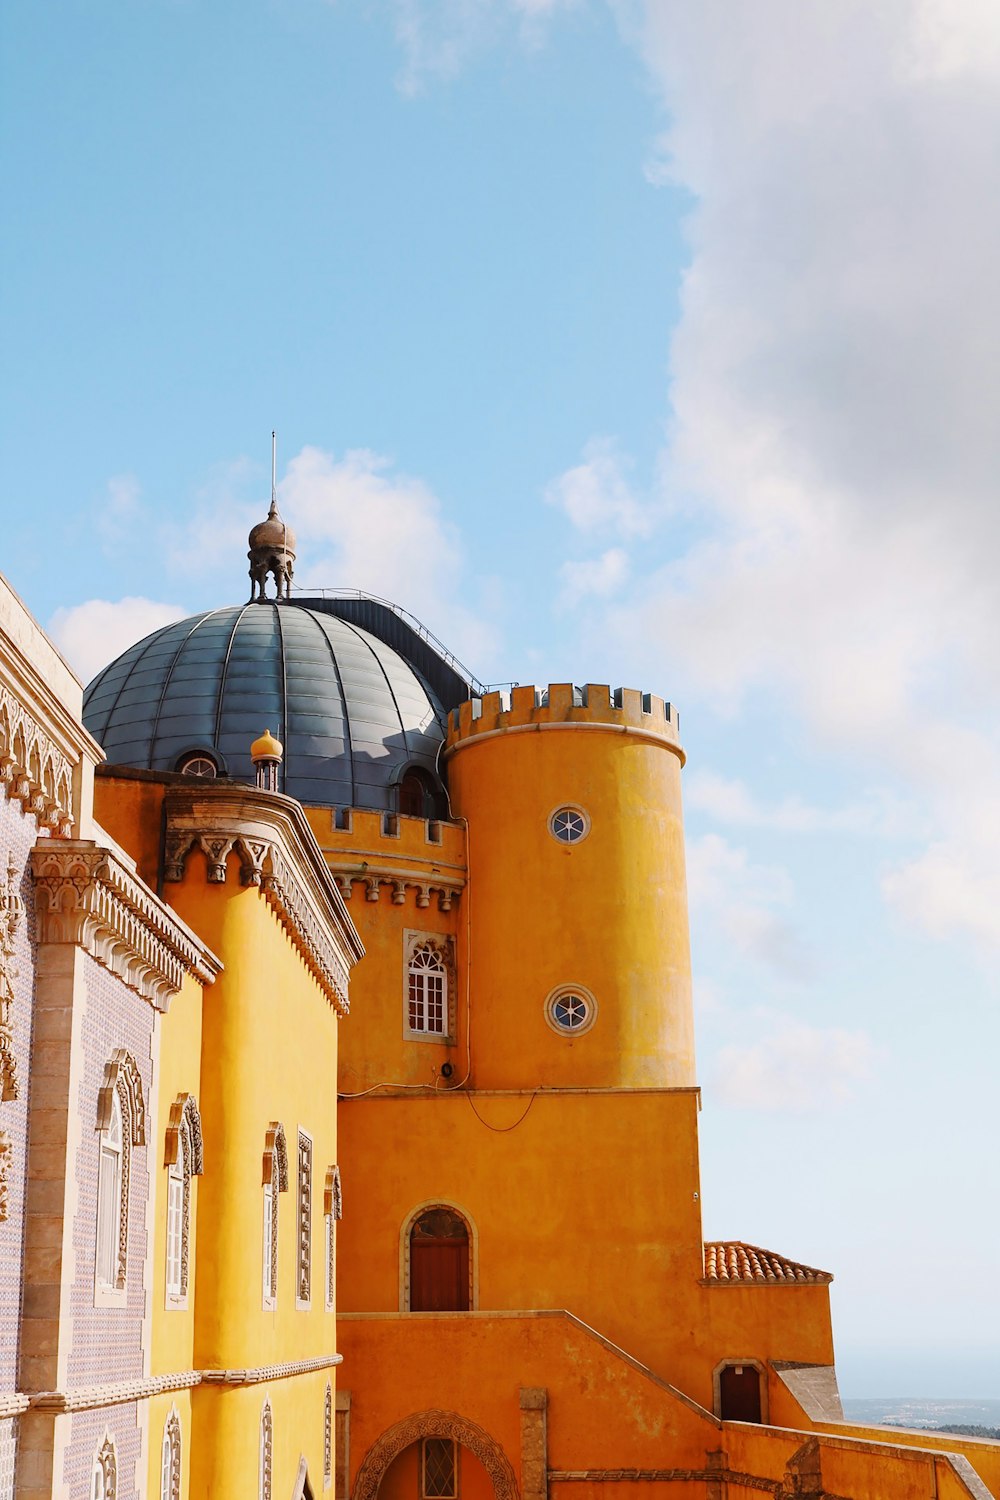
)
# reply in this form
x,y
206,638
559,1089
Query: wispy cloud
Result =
x,y
795,1068
438,38
730,801
91,634
746,902
597,577
597,496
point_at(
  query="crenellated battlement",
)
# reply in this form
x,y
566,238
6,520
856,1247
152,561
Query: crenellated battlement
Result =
x,y
563,706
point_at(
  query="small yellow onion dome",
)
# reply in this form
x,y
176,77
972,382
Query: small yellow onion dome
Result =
x,y
266,748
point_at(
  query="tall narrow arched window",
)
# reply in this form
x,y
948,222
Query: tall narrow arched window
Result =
x,y
121,1124
333,1209
104,1475
439,1262
417,794
428,991
170,1458
275,1178
185,1160
266,1448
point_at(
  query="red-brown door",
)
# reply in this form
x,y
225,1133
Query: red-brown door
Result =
x,y
439,1263
739,1394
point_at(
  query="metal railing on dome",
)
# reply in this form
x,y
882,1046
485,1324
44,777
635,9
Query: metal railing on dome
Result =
x,y
476,687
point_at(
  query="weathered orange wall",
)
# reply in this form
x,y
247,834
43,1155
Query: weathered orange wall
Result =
x,y
130,808
402,1479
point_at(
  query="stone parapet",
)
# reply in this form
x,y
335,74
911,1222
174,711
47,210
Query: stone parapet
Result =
x,y
562,706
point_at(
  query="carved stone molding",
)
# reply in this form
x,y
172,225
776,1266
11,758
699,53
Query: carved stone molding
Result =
x,y
447,888
277,852
435,1424
255,1376
6,1162
35,771
86,896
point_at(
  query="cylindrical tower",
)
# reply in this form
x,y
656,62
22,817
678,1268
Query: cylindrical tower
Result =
x,y
580,960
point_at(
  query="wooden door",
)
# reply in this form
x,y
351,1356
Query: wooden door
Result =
x,y
439,1263
739,1394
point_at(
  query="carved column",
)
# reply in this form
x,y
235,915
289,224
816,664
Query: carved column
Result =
x,y
342,1447
534,1443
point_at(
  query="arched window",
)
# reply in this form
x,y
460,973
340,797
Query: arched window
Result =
x,y
328,1437
275,1177
417,794
170,1458
198,763
427,991
266,1447
439,1262
185,1159
104,1478
121,1122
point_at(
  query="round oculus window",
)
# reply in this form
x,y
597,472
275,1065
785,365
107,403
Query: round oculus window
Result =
x,y
198,765
569,824
571,1010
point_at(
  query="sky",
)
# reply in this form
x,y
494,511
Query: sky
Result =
x,y
622,341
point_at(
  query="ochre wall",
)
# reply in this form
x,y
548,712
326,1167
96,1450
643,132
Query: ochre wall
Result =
x,y
130,808
608,913
372,1045
402,1479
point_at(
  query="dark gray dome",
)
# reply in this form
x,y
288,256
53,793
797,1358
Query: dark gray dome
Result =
x,y
352,713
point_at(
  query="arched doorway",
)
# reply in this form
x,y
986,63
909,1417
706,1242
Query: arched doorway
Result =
x,y
482,1469
439,1261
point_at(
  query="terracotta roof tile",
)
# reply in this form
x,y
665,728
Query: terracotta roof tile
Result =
x,y
732,1260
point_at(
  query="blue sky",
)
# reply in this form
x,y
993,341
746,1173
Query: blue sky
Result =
x,y
651,345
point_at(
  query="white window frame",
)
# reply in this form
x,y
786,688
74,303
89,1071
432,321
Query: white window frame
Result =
x,y
418,975
175,1233
275,1181
111,1172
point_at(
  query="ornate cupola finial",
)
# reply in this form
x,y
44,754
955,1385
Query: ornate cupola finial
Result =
x,y
272,546
266,754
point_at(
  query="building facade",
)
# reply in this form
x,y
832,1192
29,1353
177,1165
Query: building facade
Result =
x,y
348,1103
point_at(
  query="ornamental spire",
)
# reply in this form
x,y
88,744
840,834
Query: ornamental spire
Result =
x,y
272,545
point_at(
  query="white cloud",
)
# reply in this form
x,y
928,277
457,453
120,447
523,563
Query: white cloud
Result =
x,y
729,800
596,495
744,902
90,635
796,1068
438,37
834,389
594,577
359,523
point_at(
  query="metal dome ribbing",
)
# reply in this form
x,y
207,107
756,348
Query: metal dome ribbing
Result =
x,y
352,713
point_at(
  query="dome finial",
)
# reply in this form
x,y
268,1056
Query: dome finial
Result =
x,y
272,545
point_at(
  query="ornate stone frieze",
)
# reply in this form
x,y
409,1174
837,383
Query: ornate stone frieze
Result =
x,y
278,853
35,771
11,916
85,895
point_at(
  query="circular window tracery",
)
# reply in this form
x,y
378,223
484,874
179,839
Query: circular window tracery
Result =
x,y
198,765
571,1010
569,824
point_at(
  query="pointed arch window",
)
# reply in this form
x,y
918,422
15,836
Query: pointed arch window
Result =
x,y
333,1209
170,1458
275,1177
184,1160
265,1455
121,1124
104,1476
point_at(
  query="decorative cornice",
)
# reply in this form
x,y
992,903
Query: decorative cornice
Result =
x,y
87,1397
260,1373
278,852
36,772
85,895
374,876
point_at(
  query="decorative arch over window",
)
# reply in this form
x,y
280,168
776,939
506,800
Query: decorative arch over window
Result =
x,y
275,1179
104,1477
418,793
333,1198
121,1123
266,1452
184,1159
439,1266
170,1457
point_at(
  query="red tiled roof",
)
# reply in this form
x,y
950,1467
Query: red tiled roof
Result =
x,y
731,1260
